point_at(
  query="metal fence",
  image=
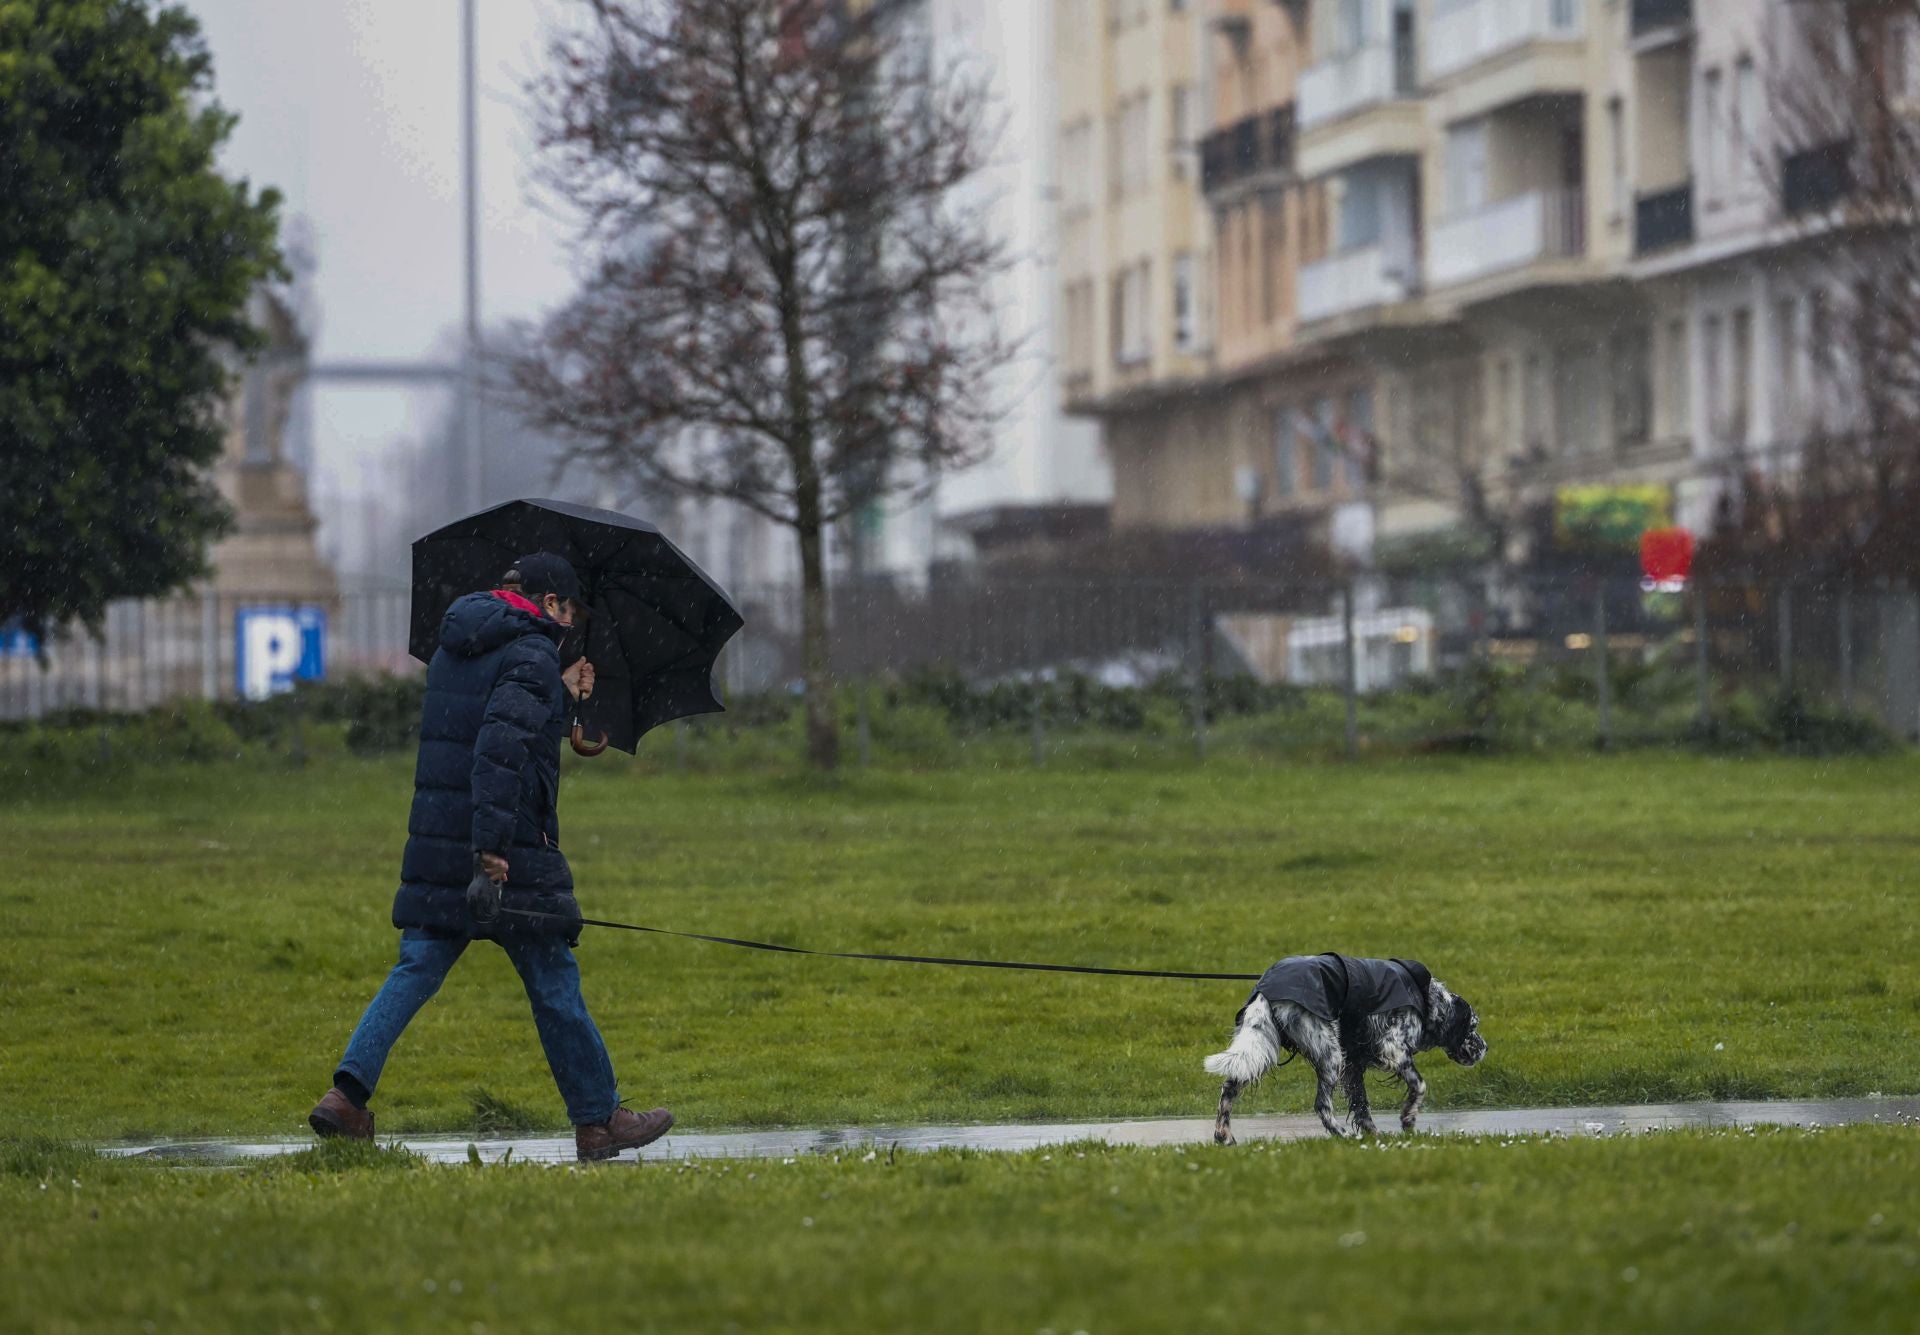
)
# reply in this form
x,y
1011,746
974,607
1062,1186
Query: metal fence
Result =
x,y
150,653
1848,649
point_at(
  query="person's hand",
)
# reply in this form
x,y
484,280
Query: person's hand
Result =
x,y
579,679
483,891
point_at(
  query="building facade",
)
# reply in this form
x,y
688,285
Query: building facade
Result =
x,y
1467,254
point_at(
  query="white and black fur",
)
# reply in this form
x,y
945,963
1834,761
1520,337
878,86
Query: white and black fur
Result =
x,y
1389,1042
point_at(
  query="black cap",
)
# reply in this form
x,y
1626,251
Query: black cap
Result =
x,y
542,573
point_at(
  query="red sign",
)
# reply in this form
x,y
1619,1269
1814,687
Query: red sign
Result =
x,y
1666,554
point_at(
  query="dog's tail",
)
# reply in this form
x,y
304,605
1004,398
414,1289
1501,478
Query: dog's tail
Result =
x,y
1255,1046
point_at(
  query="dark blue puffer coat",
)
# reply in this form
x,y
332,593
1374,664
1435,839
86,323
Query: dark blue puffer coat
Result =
x,y
488,777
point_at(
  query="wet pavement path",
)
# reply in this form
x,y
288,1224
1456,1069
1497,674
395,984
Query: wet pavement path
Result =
x,y
1596,1121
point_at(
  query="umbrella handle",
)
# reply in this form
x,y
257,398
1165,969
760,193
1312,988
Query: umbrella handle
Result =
x,y
583,747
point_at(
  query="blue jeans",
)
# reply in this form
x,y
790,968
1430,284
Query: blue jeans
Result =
x,y
575,1051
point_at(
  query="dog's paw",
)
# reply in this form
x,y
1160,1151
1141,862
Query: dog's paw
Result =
x,y
1222,1136
1408,1123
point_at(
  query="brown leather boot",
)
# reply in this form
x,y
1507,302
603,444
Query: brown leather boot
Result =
x,y
625,1130
335,1115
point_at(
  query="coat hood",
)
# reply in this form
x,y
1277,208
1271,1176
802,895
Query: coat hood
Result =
x,y
481,622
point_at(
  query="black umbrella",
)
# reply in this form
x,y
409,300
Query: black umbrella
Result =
x,y
656,625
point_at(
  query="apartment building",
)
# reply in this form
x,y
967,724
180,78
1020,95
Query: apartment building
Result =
x,y
1743,164
1134,247
1492,248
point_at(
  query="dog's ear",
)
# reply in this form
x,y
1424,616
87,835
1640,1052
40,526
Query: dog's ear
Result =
x,y
1459,1022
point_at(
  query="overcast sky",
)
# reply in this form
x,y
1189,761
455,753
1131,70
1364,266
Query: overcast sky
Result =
x,y
352,109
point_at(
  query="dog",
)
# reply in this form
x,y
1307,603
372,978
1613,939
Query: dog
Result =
x,y
1345,1015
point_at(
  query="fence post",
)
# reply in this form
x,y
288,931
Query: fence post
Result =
x,y
1351,684
1846,647
1602,678
1785,627
1037,687
1702,668
210,645
1199,657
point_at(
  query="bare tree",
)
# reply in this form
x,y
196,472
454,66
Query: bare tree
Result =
x,y
1836,495
788,300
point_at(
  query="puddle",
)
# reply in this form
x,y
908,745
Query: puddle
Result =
x,y
1594,1121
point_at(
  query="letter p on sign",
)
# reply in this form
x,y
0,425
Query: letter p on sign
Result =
x,y
277,646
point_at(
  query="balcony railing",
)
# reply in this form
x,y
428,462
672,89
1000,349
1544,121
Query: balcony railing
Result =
x,y
1377,72
1480,28
1814,179
1255,146
1352,281
1663,218
1548,224
1656,15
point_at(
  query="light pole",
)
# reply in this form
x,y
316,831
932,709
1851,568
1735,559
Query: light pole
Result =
x,y
464,374
470,179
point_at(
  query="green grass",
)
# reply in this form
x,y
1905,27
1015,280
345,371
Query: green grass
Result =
x,y
184,949
1776,1230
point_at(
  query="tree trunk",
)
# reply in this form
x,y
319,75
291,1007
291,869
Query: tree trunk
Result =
x,y
823,720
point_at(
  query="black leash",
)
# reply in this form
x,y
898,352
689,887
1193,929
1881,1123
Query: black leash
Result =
x,y
893,959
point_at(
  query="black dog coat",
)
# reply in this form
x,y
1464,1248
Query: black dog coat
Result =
x,y
1345,990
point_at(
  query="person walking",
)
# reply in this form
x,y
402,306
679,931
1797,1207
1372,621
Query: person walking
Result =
x,y
484,837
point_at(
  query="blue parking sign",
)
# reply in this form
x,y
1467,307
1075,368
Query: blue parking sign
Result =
x,y
16,643
276,646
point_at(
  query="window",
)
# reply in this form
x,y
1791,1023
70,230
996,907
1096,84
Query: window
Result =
x,y
1137,128
1786,367
1325,445
1746,113
1820,358
1469,407
1713,168
1617,133
1678,376
1132,315
1249,257
1742,374
1079,338
1710,350
1077,167
1183,303
1579,396
1358,444
1273,236
1130,146
1286,462
1537,403
1350,23
1185,108
1632,392
1467,167
1502,424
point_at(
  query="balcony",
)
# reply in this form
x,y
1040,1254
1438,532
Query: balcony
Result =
x,y
1815,179
1353,281
1545,225
1663,218
1478,29
1362,77
1260,145
1659,16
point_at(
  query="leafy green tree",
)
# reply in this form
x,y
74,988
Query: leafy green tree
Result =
x,y
126,262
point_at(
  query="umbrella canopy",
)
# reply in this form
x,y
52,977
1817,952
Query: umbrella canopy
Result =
x,y
657,621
